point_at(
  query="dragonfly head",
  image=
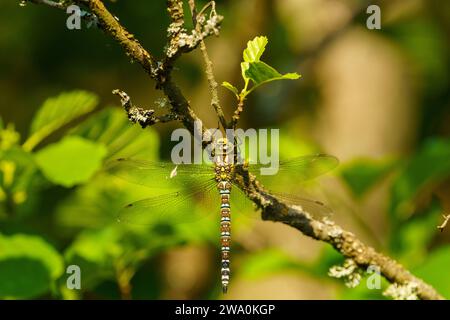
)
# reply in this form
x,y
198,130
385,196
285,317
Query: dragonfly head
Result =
x,y
223,146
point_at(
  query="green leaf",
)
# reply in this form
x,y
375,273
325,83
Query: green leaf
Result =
x,y
430,166
230,87
71,161
255,49
260,73
435,269
28,266
363,174
57,112
257,71
244,68
253,52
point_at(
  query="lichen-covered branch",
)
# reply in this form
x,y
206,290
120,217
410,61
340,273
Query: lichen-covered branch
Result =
x,y
182,41
145,117
327,231
237,113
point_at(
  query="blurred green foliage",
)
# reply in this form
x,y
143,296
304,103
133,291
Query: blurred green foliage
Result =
x,y
58,207
62,185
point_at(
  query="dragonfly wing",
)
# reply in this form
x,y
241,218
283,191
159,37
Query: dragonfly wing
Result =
x,y
173,208
241,205
296,170
158,174
304,167
315,208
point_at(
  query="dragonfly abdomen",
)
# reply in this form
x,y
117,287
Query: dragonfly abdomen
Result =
x,y
225,233
223,169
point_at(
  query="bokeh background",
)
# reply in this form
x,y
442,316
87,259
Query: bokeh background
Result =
x,y
377,99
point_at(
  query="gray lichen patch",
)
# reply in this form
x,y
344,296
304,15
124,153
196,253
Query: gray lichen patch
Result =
x,y
407,291
349,272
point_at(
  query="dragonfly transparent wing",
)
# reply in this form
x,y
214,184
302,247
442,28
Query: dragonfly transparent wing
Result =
x,y
159,174
242,205
315,208
302,168
173,208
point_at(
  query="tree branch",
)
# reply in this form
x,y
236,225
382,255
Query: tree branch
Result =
x,y
343,241
272,208
142,116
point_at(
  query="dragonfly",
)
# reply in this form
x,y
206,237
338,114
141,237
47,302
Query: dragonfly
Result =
x,y
209,183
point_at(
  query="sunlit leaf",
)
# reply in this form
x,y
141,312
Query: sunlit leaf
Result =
x,y
260,73
71,161
255,49
230,87
253,52
57,112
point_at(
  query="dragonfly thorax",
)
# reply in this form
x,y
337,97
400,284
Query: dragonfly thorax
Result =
x,y
223,172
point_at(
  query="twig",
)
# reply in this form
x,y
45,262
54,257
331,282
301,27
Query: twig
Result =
x,y
142,116
215,102
272,208
180,40
193,9
237,113
54,4
444,224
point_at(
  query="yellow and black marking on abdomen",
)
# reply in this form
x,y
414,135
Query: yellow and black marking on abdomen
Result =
x,y
223,176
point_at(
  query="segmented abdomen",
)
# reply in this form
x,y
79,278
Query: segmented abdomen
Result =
x,y
225,237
